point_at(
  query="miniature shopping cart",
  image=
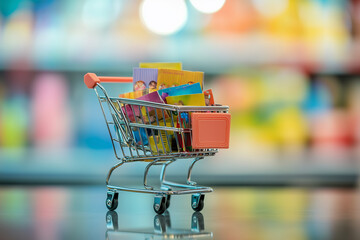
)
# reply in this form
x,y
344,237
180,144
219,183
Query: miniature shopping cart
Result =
x,y
160,134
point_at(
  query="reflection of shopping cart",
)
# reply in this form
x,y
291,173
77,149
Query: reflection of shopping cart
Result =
x,y
160,134
162,228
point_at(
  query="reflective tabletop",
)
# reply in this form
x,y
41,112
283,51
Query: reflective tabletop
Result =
x,y
79,212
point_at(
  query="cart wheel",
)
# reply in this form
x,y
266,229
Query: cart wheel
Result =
x,y
160,204
112,200
168,197
197,202
112,220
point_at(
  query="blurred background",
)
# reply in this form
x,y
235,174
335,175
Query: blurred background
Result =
x,y
288,69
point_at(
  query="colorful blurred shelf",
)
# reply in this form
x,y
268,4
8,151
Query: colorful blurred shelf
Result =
x,y
90,167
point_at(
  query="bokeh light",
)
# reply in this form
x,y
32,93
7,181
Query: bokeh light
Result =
x,y
208,6
163,17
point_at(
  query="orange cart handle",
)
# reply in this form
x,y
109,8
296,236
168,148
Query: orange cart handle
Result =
x,y
91,79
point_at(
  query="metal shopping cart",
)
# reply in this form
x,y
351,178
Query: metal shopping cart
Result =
x,y
160,134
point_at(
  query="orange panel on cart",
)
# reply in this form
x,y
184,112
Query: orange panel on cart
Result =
x,y
210,130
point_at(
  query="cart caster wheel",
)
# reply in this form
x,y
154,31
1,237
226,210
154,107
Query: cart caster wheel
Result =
x,y
197,222
112,200
168,197
160,204
112,220
197,202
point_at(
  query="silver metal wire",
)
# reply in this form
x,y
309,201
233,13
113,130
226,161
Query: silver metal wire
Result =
x,y
155,133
